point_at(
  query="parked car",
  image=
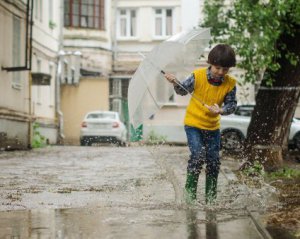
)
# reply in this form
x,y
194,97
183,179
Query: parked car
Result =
x,y
234,129
101,127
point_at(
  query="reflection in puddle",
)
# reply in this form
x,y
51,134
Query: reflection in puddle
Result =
x,y
193,227
124,222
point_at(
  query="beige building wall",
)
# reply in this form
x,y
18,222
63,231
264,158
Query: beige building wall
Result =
x,y
14,85
91,94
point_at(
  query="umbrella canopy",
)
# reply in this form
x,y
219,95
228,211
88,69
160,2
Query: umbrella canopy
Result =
x,y
148,89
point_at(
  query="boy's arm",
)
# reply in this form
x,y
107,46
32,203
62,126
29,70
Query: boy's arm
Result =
x,y
187,84
230,103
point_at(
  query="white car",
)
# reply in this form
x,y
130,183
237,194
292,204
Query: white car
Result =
x,y
102,127
234,129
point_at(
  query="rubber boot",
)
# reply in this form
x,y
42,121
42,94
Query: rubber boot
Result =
x,y
211,189
191,187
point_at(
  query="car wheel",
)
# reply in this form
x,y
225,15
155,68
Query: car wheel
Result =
x,y
124,144
232,140
83,142
297,140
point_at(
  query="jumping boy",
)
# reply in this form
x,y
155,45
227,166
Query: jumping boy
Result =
x,y
211,88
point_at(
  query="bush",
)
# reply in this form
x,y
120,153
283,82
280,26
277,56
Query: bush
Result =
x,y
38,140
154,138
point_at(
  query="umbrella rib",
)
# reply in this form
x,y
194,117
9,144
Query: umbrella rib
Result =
x,y
157,105
153,97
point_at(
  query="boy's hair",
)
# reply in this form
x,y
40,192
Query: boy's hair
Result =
x,y
222,55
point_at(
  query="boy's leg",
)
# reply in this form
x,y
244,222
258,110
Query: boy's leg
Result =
x,y
212,165
211,188
195,163
191,186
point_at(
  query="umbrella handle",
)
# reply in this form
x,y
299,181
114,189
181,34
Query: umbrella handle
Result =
x,y
196,98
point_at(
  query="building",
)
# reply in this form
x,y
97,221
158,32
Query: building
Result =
x,y
29,59
86,62
45,47
15,117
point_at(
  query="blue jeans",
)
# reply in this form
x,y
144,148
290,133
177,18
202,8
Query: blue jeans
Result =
x,y
204,146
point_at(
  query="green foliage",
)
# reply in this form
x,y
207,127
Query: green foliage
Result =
x,y
52,24
285,172
254,29
215,15
255,169
38,140
154,138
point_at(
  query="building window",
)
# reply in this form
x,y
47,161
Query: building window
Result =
x,y
117,106
50,10
126,23
51,73
66,72
16,51
38,10
116,88
38,88
73,75
163,22
84,14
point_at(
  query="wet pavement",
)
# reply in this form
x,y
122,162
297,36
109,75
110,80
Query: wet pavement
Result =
x,y
115,192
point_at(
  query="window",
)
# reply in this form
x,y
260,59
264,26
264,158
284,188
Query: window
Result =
x,y
66,72
102,116
163,22
16,51
116,87
84,14
38,88
127,23
38,10
117,105
50,10
51,73
73,75
41,10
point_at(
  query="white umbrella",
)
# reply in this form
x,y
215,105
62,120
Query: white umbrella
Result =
x,y
148,89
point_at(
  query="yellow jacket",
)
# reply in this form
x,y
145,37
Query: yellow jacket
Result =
x,y
198,115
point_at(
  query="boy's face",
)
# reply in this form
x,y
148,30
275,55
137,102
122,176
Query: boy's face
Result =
x,y
218,71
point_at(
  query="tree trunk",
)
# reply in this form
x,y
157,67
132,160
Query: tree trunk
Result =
x,y
268,131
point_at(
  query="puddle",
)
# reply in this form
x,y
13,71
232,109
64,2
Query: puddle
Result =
x,y
124,222
110,192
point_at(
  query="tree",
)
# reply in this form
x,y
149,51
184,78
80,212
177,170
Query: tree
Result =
x,y
266,35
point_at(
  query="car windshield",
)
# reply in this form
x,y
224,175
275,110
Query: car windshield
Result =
x,y
102,116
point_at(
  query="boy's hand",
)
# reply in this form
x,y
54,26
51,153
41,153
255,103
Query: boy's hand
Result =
x,y
215,109
171,78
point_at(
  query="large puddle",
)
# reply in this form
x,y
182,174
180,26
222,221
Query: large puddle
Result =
x,y
126,223
110,192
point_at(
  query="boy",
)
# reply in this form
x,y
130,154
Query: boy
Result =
x,y
211,88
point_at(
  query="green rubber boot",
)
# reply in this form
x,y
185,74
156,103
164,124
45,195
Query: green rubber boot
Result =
x,y
191,187
211,189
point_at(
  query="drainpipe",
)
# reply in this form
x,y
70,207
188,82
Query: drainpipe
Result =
x,y
29,111
59,113
114,33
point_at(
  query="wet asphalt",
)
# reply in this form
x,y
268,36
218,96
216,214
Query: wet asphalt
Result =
x,y
119,192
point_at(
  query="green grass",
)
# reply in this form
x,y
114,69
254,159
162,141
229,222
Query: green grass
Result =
x,y
286,172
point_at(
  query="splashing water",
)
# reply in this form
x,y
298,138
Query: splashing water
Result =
x,y
234,193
